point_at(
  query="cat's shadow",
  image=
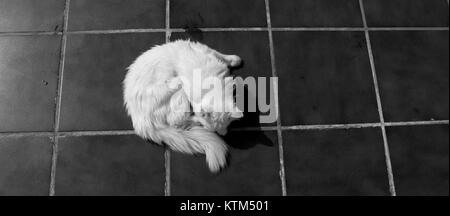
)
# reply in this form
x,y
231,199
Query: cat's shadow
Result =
x,y
243,138
247,132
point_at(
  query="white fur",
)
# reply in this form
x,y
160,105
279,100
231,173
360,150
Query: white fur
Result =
x,y
151,99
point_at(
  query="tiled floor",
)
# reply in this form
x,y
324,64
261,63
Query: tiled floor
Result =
x,y
109,165
93,71
363,97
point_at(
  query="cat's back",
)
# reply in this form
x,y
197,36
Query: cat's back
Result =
x,y
167,55
152,66
177,58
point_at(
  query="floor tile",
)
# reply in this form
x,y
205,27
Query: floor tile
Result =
x,y
253,48
94,70
25,166
406,13
419,157
325,78
116,14
335,162
412,69
109,165
253,169
31,15
217,13
28,80
315,13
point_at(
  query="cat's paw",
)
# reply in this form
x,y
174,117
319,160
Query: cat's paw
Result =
x,y
222,131
234,60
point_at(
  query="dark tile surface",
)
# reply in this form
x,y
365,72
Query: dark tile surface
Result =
x,y
406,13
419,158
253,169
31,15
109,165
253,48
116,14
325,78
335,162
412,68
315,13
94,70
28,79
25,166
217,13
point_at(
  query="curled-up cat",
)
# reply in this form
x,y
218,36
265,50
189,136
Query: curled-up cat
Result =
x,y
158,97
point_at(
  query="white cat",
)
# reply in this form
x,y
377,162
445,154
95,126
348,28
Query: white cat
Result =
x,y
154,94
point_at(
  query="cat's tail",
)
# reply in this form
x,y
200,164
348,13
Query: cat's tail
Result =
x,y
197,140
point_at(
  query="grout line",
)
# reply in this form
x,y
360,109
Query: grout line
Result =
x,y
360,29
273,29
277,104
58,98
53,166
26,134
417,123
335,126
167,29
117,31
388,162
167,153
407,29
281,29
231,29
380,107
365,125
95,133
167,182
31,33
63,134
